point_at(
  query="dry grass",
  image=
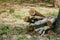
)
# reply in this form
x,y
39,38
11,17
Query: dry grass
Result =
x,y
12,26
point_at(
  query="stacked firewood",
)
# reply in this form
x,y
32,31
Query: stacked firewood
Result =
x,y
38,23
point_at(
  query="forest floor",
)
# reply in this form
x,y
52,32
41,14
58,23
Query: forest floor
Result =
x,y
12,26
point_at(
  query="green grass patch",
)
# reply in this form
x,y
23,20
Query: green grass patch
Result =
x,y
12,10
17,16
2,11
22,37
4,29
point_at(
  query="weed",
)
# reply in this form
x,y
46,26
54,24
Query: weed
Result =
x,y
2,11
22,37
11,10
4,29
18,16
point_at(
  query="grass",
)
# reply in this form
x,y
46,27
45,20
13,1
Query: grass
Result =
x,y
22,37
18,14
4,29
51,14
11,10
2,11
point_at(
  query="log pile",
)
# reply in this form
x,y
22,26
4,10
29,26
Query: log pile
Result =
x,y
38,23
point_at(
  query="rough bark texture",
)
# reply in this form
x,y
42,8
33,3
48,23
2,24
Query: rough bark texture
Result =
x,y
57,24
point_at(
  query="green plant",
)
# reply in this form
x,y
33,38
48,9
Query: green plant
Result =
x,y
5,29
2,11
18,16
22,37
11,10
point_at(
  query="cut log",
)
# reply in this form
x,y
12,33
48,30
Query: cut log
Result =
x,y
41,31
43,28
26,18
36,18
40,23
33,12
29,28
50,32
32,19
51,21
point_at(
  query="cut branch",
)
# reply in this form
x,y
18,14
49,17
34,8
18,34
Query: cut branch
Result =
x,y
40,23
33,12
51,21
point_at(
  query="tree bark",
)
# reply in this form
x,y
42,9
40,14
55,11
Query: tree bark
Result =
x,y
57,24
